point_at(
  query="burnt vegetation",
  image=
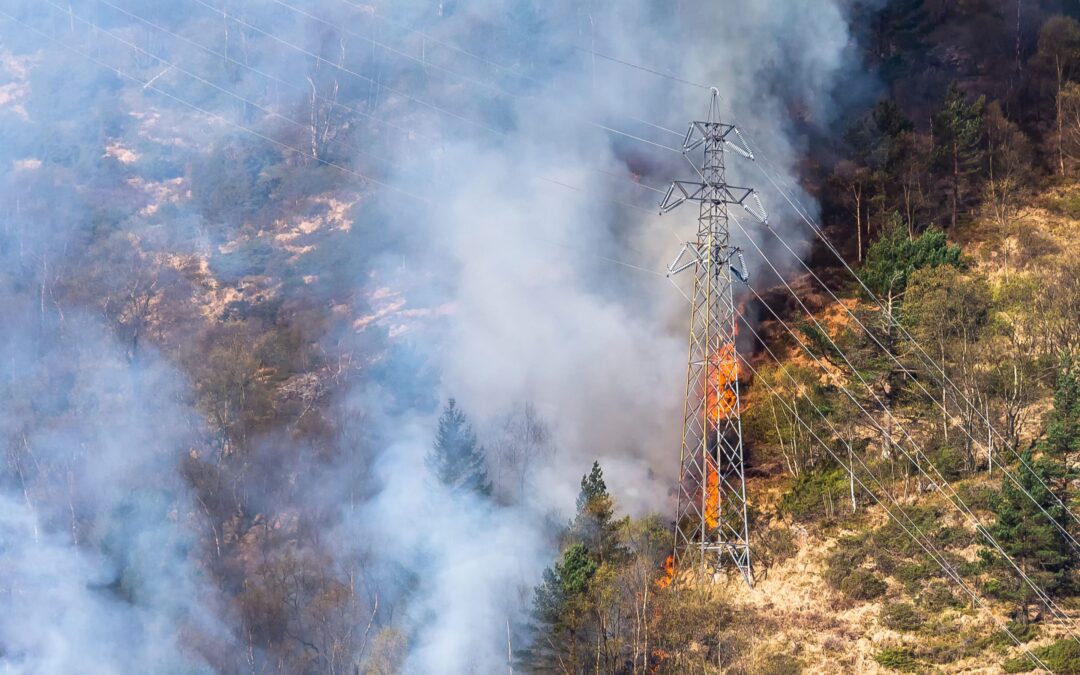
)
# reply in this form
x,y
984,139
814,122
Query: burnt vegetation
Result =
x,y
953,194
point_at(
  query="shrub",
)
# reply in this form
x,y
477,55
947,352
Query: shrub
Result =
x,y
976,495
844,559
897,658
862,584
1062,657
900,616
938,596
817,494
777,545
1068,205
1024,632
950,462
912,574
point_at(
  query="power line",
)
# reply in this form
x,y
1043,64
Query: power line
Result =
x,y
928,546
428,104
392,50
442,43
1071,539
928,361
468,79
800,210
496,132
645,69
409,131
147,85
331,102
953,497
320,59
925,543
173,66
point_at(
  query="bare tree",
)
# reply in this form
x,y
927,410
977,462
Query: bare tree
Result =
x,y
523,440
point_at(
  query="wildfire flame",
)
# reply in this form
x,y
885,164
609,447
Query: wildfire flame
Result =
x,y
712,494
722,371
720,403
669,573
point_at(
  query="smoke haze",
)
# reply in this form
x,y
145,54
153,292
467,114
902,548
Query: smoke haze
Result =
x,y
466,269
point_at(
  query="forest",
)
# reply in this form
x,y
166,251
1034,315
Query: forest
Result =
x,y
335,340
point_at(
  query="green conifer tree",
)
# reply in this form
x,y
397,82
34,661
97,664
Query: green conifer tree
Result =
x,y
456,458
1063,422
561,608
594,524
957,136
1028,537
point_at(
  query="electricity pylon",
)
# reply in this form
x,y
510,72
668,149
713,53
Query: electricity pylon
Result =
x,y
711,526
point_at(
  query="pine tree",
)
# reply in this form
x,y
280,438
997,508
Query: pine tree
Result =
x,y
957,135
1063,422
594,524
561,608
894,257
1062,442
1026,535
456,458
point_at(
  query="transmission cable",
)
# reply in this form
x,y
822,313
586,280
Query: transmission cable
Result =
x,y
935,554
858,375
1075,544
432,106
940,482
146,84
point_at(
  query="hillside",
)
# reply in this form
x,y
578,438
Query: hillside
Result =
x,y
337,337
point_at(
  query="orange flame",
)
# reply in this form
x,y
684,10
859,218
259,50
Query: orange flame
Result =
x,y
669,573
722,371
712,494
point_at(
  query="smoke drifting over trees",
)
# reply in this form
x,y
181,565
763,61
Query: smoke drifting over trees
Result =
x,y
247,252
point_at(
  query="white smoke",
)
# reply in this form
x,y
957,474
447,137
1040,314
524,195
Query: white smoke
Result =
x,y
544,301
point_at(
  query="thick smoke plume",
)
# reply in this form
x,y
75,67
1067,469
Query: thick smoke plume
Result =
x,y
497,258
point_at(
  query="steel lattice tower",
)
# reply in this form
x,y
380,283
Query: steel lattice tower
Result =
x,y
711,526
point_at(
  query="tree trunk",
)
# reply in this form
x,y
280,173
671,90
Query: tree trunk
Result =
x,y
955,182
1057,107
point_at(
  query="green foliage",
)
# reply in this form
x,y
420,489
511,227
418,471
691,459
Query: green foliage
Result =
x,y
951,463
817,493
900,659
958,127
938,596
456,458
900,616
594,523
1067,205
1024,632
1061,657
1027,536
862,584
575,571
1063,423
562,584
593,487
913,574
819,341
944,305
845,558
958,132
893,258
